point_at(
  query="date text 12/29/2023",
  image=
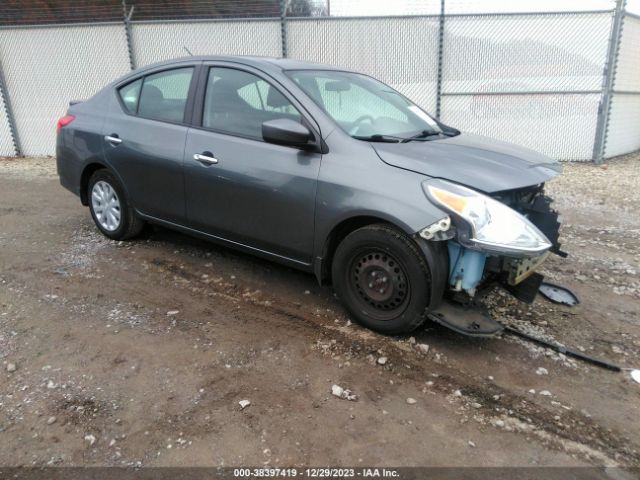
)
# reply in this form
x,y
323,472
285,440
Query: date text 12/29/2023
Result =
x,y
315,472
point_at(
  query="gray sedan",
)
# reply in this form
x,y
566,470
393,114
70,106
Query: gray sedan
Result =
x,y
318,168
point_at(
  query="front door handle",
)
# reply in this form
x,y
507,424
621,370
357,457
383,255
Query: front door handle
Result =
x,y
113,139
205,158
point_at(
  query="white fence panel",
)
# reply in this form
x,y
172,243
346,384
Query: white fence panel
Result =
x,y
515,69
6,143
623,135
524,53
560,126
627,77
156,41
623,129
402,52
46,67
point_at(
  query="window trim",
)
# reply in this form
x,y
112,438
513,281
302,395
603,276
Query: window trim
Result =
x,y
198,109
188,109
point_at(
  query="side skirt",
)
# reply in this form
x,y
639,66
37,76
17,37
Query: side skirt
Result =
x,y
290,262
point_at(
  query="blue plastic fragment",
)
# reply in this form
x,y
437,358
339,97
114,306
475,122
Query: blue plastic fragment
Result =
x,y
465,266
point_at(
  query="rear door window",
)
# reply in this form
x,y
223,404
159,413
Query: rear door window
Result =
x,y
164,95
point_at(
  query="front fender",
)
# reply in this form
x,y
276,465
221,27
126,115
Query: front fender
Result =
x,y
355,183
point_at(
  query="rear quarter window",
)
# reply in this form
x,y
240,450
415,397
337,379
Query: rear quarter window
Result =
x,y
130,94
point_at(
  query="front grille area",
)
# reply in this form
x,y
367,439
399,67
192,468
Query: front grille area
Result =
x,y
537,207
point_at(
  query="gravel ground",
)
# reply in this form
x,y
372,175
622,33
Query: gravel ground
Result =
x,y
138,353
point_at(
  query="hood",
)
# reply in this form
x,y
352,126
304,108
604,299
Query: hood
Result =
x,y
478,162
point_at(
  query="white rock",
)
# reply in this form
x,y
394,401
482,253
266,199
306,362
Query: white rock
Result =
x,y
51,420
532,391
545,393
11,367
343,393
542,371
171,313
412,340
423,347
90,438
457,393
471,444
411,401
244,404
382,360
112,442
337,390
51,385
490,378
499,423
476,405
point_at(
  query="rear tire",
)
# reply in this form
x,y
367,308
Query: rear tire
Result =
x,y
111,211
383,279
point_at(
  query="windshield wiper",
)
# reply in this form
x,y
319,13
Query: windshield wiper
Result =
x,y
423,135
378,138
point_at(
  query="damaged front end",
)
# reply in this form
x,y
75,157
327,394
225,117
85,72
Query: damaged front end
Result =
x,y
498,239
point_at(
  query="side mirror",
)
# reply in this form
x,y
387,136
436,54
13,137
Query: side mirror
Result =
x,y
284,131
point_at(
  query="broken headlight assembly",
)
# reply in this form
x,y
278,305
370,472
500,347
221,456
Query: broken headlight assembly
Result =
x,y
491,225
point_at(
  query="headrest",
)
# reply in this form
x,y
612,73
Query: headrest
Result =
x,y
151,93
276,99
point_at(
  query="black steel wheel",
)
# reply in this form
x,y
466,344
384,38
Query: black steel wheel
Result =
x,y
380,281
383,279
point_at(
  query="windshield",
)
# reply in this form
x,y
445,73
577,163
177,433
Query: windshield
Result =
x,y
364,107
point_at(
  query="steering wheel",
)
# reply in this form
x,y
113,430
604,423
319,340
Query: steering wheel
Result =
x,y
356,123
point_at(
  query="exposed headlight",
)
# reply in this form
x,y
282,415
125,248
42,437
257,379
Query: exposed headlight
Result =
x,y
494,226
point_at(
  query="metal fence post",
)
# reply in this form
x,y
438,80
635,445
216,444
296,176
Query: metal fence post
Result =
x,y
604,109
283,27
127,32
440,59
15,139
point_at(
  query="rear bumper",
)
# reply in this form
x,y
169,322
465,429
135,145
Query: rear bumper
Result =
x,y
69,171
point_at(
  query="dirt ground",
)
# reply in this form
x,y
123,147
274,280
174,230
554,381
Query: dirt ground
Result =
x,y
138,353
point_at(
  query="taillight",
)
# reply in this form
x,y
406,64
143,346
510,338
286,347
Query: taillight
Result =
x,y
64,121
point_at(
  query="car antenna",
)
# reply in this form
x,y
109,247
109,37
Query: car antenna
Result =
x,y
187,50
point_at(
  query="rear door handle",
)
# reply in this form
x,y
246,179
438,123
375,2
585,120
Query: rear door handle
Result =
x,y
113,139
205,158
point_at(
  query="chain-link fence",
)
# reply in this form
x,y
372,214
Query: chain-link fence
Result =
x,y
564,83
623,126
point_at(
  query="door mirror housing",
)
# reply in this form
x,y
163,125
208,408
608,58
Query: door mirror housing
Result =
x,y
284,131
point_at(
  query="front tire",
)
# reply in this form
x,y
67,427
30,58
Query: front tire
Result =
x,y
383,279
110,208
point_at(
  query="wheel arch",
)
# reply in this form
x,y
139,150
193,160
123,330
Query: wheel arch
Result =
x,y
87,171
324,257
434,253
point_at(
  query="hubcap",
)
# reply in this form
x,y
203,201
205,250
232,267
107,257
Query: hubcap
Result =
x,y
380,282
106,205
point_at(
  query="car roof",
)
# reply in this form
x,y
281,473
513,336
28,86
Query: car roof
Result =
x,y
254,61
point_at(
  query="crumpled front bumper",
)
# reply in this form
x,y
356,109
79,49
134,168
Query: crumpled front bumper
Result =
x,y
471,270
